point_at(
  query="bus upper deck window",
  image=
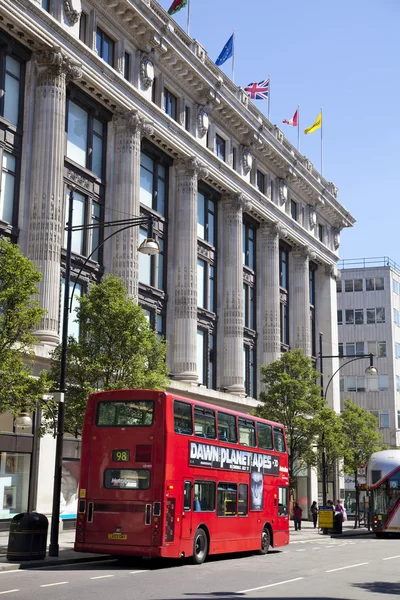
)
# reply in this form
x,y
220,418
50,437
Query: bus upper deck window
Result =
x,y
247,432
227,428
131,413
279,439
204,422
183,422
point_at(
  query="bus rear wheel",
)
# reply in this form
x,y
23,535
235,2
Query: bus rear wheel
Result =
x,y
200,547
265,542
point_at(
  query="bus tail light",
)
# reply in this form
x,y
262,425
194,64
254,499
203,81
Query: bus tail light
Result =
x,y
157,509
148,514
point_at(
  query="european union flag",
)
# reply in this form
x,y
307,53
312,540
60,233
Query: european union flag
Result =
x,y
227,52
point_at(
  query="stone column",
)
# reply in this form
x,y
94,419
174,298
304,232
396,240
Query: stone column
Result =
x,y
47,192
270,296
129,129
183,340
233,317
301,300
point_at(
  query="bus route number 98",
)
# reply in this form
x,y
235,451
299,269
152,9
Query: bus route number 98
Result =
x,y
120,455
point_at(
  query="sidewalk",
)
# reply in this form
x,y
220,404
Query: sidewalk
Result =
x,y
308,531
66,554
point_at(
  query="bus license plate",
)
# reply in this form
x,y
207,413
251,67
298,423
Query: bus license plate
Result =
x,y
117,536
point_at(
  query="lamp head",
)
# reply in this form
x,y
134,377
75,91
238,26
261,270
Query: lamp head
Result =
x,y
23,420
371,371
149,246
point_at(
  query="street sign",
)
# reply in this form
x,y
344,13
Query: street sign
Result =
x,y
325,517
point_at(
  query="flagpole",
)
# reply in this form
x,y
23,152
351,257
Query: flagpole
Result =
x,y
298,127
269,97
321,144
188,18
233,55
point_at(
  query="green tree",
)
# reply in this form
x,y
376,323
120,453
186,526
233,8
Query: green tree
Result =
x,y
361,439
293,398
20,314
117,348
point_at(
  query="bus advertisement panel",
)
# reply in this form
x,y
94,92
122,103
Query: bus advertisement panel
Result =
x,y
383,481
163,475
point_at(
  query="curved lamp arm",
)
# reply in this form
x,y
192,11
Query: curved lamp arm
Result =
x,y
371,362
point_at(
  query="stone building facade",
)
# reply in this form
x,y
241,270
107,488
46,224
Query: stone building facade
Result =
x,y
113,98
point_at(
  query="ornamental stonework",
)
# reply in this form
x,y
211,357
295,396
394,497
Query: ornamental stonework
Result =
x,y
146,71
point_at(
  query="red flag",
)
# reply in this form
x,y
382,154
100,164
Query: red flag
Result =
x,y
177,5
293,120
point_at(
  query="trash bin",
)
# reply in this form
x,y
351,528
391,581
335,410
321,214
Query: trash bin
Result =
x,y
28,537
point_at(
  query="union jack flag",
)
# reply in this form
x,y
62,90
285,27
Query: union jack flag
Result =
x,y
258,91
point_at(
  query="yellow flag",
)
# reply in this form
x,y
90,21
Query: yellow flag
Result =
x,y
317,124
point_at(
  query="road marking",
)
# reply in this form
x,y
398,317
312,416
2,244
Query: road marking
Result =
x,y
302,550
9,591
102,577
13,571
390,557
262,587
141,571
51,584
348,567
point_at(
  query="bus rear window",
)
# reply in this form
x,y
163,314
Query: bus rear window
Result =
x,y
127,479
136,413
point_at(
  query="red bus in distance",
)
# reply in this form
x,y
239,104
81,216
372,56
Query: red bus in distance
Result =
x,y
166,476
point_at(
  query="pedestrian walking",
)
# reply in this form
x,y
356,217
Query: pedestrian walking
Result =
x,y
338,517
314,513
297,516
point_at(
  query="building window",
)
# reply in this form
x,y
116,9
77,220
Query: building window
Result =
x,y
249,367
375,315
353,285
354,317
105,47
220,147
354,348
384,419
8,188
397,383
377,349
340,352
249,306
312,309
249,245
398,419
86,138
206,358
355,383
83,27
284,294
14,475
73,325
234,159
375,284
127,66
46,5
340,317
396,317
321,232
395,287
338,285
170,104
260,180
86,211
153,182
293,209
11,79
206,211
397,349
378,383
205,285
152,268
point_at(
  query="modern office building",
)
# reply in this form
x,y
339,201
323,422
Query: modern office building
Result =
x,y
113,98
369,322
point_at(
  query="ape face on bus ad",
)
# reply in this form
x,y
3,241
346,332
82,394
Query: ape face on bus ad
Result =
x,y
256,490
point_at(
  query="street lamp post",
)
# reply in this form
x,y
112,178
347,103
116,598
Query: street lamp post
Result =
x,y
370,371
148,246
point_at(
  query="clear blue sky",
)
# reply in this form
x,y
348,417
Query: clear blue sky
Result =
x,y
343,56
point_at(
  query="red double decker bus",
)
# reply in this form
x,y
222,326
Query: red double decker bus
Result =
x,y
163,475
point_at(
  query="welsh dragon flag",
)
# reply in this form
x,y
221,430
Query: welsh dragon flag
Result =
x,y
176,6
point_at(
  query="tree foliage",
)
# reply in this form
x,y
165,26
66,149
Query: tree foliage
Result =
x,y
293,398
361,439
20,314
117,348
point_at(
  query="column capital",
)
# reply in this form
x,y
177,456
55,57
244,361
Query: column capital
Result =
x,y
332,271
131,122
238,201
55,62
304,252
190,166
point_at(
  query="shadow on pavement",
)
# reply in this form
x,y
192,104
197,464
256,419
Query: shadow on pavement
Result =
x,y
380,587
235,596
